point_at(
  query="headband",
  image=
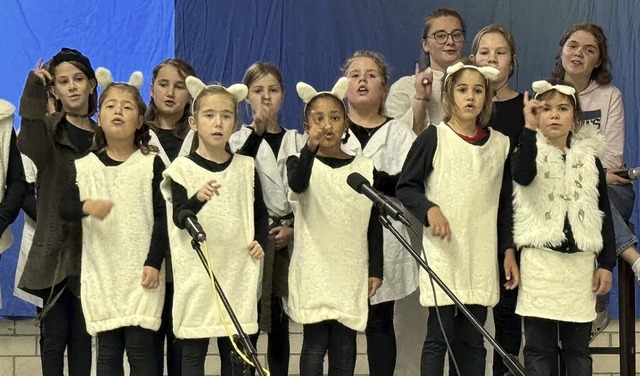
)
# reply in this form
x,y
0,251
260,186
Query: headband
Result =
x,y
104,78
542,86
487,72
307,92
196,86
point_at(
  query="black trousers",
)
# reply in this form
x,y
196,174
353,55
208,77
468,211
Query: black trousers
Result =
x,y
194,353
381,339
328,337
278,348
508,325
139,345
174,345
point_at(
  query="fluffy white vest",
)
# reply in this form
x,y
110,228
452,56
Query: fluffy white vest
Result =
x,y
328,276
6,127
563,187
228,221
114,249
465,184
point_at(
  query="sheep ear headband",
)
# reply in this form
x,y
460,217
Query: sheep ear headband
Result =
x,y
489,73
542,86
307,92
104,78
195,87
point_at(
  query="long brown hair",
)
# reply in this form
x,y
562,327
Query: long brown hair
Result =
x,y
448,102
600,74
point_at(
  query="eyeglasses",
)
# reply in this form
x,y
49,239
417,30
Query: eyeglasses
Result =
x,y
441,37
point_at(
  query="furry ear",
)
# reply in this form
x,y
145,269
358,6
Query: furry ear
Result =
x,y
340,88
136,79
489,72
239,91
195,86
104,77
305,91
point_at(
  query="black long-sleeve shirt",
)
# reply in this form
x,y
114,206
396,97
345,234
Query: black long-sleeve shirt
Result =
x,y
16,186
419,165
71,210
299,174
525,171
181,200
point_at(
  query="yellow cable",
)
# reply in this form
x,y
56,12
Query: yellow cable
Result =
x,y
227,329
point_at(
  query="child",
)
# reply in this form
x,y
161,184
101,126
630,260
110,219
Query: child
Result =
x,y
337,258
387,143
53,142
117,196
455,181
223,190
562,222
168,117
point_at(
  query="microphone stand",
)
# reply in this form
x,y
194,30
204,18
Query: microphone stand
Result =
x,y
509,360
242,336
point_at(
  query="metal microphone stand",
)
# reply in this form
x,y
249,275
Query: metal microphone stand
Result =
x,y
509,360
242,336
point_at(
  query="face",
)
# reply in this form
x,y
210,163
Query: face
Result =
x,y
366,84
493,50
119,116
73,88
215,120
468,94
169,92
580,54
557,117
327,118
442,55
266,93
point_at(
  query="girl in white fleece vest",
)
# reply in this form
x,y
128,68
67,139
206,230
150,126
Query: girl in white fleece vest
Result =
x,y
222,189
562,224
456,181
124,235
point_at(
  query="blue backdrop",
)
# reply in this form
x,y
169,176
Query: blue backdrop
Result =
x,y
309,40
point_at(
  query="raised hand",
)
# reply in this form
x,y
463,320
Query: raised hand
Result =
x,y
531,110
423,83
44,75
207,191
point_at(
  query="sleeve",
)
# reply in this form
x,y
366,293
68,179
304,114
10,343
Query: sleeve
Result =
x,y
29,203
418,166
182,202
251,145
70,208
614,133
385,183
16,186
159,233
260,214
34,139
374,244
399,101
523,159
606,257
505,211
299,169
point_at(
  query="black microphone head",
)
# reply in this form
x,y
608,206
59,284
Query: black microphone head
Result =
x,y
356,181
184,214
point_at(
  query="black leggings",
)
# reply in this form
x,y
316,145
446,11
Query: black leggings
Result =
x,y
194,353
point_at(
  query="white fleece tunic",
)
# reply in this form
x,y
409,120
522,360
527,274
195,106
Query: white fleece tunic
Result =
x,y
228,222
556,285
114,250
388,149
465,184
329,272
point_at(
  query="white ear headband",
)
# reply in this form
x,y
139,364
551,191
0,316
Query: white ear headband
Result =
x,y
196,86
542,86
307,92
487,72
104,78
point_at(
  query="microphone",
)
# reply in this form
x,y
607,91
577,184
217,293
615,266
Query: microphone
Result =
x,y
630,174
189,221
361,185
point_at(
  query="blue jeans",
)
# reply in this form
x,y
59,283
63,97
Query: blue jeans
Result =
x,y
141,352
332,337
622,197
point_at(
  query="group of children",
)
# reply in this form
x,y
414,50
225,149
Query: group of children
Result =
x,y
510,189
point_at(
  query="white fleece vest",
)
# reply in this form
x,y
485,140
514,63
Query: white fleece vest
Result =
x,y
465,183
6,127
388,148
229,224
114,249
329,271
561,189
556,285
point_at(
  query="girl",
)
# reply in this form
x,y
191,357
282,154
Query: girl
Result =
x,y
53,142
219,187
387,143
494,46
563,224
168,116
331,258
583,61
117,196
415,100
270,144
455,181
